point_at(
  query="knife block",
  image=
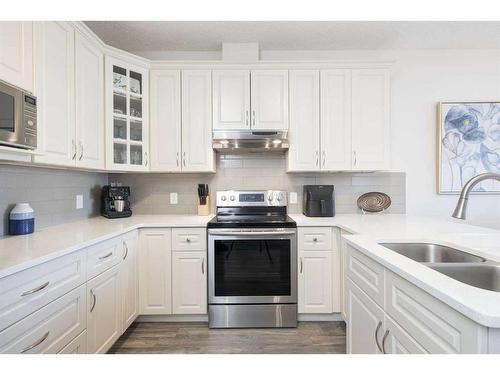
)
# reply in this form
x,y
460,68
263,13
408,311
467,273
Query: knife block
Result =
x,y
204,209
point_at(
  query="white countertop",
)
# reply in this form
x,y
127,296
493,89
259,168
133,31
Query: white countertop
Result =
x,y
21,252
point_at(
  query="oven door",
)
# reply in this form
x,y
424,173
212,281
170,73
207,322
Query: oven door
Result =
x,y
11,129
252,266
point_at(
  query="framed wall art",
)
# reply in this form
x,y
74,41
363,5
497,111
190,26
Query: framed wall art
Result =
x,y
468,145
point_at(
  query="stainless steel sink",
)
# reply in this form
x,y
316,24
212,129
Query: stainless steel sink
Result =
x,y
432,253
484,276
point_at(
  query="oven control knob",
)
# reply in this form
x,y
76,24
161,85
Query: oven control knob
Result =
x,y
223,198
270,198
232,197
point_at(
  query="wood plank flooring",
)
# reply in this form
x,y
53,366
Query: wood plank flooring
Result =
x,y
197,338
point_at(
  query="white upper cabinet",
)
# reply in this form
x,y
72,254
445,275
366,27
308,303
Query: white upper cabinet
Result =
x,y
127,116
165,120
89,87
269,98
197,152
54,87
370,119
304,152
16,53
231,99
336,119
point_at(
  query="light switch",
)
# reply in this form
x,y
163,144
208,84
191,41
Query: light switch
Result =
x,y
293,197
79,202
173,198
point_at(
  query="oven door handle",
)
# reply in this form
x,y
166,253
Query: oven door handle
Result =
x,y
250,233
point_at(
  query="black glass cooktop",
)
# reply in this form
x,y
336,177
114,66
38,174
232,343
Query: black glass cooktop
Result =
x,y
252,221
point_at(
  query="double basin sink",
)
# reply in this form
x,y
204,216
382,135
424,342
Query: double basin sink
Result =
x,y
461,266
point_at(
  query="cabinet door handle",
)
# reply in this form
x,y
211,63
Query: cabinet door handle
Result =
x,y
246,117
203,266
317,158
355,158
37,289
94,298
146,159
383,341
376,335
324,158
184,158
36,343
81,151
301,265
106,256
253,117
315,239
177,158
188,240
73,145
126,250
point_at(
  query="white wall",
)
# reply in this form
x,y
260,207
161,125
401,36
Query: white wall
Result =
x,y
420,79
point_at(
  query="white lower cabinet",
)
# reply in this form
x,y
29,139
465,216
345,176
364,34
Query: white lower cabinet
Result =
x,y
385,313
155,271
315,282
129,280
397,341
104,311
365,322
77,346
49,329
189,282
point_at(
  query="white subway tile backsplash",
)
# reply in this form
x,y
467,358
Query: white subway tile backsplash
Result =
x,y
257,171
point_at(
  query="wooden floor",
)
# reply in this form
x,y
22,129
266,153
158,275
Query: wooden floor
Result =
x,y
197,338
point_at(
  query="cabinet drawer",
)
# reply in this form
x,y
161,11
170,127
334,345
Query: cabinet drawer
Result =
x,y
435,326
27,291
319,238
366,273
103,256
49,329
77,346
189,239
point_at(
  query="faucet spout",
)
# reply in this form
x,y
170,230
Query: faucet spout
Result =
x,y
460,211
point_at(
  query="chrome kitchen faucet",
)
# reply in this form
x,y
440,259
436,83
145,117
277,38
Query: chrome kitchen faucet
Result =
x,y
461,208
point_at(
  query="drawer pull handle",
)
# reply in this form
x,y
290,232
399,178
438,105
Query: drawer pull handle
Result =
x,y
106,256
203,266
37,289
36,343
94,298
315,239
126,250
188,240
301,265
376,335
383,341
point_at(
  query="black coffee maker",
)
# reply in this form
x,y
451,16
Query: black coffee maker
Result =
x,y
319,201
115,201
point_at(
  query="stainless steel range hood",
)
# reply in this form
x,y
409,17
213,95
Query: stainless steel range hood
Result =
x,y
246,141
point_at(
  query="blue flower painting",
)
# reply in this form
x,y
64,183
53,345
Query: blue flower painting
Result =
x,y
469,145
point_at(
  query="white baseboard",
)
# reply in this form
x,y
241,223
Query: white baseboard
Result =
x,y
172,318
336,317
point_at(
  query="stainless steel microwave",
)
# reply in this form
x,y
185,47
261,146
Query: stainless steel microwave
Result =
x,y
17,117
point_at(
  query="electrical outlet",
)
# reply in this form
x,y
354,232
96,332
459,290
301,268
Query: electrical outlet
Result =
x,y
79,202
293,197
173,198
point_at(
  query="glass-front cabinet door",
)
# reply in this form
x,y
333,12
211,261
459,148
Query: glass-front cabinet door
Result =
x,y
127,122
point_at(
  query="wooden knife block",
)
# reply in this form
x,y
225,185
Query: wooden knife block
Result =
x,y
204,210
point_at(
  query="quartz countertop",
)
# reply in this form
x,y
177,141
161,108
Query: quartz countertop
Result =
x,y
365,232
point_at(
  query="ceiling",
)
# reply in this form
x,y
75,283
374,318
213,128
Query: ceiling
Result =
x,y
297,35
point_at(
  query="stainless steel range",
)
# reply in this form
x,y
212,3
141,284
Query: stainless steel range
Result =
x,y
252,261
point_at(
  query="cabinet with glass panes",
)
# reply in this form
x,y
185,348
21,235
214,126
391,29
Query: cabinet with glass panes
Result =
x,y
126,90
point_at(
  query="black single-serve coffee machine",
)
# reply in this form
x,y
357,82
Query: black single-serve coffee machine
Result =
x,y
319,201
115,202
